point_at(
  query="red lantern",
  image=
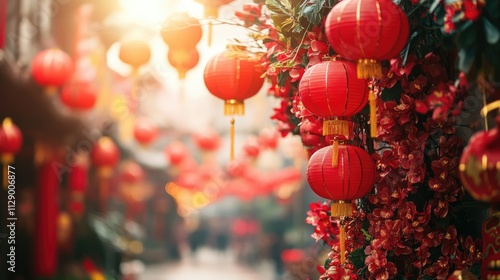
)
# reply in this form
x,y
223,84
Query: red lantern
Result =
x,y
268,138
145,132
176,153
367,31
212,11
51,68
80,95
131,173
207,141
352,178
331,90
11,141
183,60
479,165
181,32
134,52
105,156
233,76
251,148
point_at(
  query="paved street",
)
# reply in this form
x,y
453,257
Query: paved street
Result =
x,y
208,265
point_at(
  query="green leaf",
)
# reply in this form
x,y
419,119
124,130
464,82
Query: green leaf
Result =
x,y
467,35
357,257
434,5
277,7
492,33
466,59
312,12
393,93
327,263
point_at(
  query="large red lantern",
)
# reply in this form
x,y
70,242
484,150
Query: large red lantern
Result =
x,y
367,32
134,52
145,132
51,68
80,95
105,156
183,60
181,32
233,76
479,164
11,141
352,178
331,90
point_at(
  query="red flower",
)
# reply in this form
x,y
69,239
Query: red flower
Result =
x,y
379,267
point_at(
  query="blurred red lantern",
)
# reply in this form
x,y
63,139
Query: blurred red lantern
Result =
x,y
233,76
367,32
311,131
211,10
51,68
78,182
145,132
479,165
11,141
181,32
176,152
251,148
207,141
134,52
352,178
80,95
131,173
183,60
105,155
268,138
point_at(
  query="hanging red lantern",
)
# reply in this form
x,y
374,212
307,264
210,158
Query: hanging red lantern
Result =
x,y
176,152
251,148
51,68
183,60
80,95
268,138
181,31
11,141
367,32
208,140
134,52
233,76
145,132
105,156
331,90
131,173
211,10
352,178
479,164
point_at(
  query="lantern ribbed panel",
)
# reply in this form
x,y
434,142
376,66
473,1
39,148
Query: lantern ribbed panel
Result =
x,y
352,178
51,67
331,88
371,29
231,76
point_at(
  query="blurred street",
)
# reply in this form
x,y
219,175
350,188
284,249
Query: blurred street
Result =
x,y
208,264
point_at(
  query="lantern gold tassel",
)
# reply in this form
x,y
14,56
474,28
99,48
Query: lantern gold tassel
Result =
x,y
335,156
210,30
369,68
234,107
373,114
231,135
336,127
342,242
341,209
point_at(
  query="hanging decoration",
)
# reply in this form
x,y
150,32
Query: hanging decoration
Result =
x,y
211,11
79,95
132,188
331,90
77,183
136,53
145,132
233,76
352,178
105,156
51,68
11,141
346,28
182,33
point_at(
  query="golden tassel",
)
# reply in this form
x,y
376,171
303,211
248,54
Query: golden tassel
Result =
x,y
234,107
369,68
210,30
373,114
342,242
341,209
336,127
231,135
335,156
